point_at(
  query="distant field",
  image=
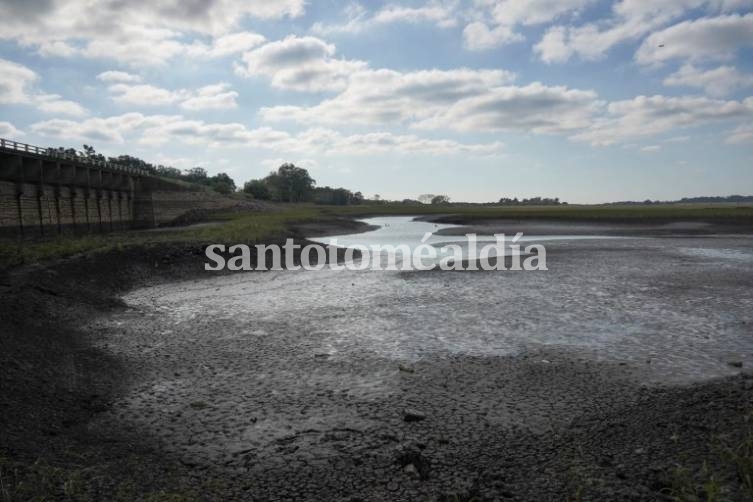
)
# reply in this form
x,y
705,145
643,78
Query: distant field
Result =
x,y
719,212
257,227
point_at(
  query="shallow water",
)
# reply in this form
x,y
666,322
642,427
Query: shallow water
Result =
x,y
404,230
677,308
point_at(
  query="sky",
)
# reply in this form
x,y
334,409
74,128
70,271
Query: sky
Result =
x,y
586,100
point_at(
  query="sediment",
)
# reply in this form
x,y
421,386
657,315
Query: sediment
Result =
x,y
544,425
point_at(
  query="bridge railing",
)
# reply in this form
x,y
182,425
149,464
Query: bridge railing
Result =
x,y
16,146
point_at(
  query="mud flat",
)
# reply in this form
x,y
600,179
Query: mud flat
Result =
x,y
615,375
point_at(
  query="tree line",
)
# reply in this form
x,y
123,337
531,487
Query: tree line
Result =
x,y
290,183
221,182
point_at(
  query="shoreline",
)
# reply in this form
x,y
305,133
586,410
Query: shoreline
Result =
x,y
602,425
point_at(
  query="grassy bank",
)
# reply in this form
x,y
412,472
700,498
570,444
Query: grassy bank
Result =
x,y
229,228
254,227
719,213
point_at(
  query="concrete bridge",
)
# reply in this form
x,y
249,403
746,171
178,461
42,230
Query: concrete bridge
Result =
x,y
47,192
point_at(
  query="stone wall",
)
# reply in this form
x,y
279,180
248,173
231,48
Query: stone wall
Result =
x,y
39,209
42,196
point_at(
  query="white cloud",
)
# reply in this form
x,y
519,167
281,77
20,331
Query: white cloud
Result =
x,y
144,94
531,12
651,148
8,131
226,45
17,87
391,97
463,100
300,64
112,129
498,20
136,32
216,96
477,36
717,82
630,20
359,18
53,103
741,134
156,130
706,39
533,108
113,76
653,115
14,82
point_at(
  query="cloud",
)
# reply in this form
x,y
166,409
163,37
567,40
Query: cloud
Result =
x,y
629,20
461,100
299,64
112,129
156,130
17,88
653,115
144,94
392,97
216,96
651,148
226,45
717,82
118,77
136,32
7,130
360,20
741,134
500,18
55,104
478,36
14,82
706,39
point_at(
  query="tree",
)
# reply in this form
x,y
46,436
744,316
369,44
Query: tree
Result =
x,y
221,183
440,199
258,189
290,183
195,175
426,198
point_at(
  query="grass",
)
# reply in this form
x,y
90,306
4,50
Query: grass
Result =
x,y
257,227
720,212
712,484
231,228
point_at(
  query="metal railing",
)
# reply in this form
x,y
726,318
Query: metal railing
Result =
x,y
54,153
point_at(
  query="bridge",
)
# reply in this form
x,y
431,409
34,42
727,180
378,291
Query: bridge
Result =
x,y
48,192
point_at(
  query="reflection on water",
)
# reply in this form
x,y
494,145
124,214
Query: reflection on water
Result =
x,y
404,230
642,301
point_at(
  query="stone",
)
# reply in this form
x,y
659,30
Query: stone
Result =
x,y
413,415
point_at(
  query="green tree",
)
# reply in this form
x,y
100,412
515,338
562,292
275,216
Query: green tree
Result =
x,y
257,188
290,183
221,183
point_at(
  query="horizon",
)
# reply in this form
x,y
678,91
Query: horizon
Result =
x,y
586,101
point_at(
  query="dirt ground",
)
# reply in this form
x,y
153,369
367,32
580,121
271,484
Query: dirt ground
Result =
x,y
140,381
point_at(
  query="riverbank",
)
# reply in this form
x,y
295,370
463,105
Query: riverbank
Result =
x,y
108,397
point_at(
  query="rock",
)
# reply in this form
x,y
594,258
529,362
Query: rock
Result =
x,y
411,470
405,369
413,415
736,364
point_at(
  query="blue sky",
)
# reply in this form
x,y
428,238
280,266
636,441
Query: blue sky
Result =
x,y
585,100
